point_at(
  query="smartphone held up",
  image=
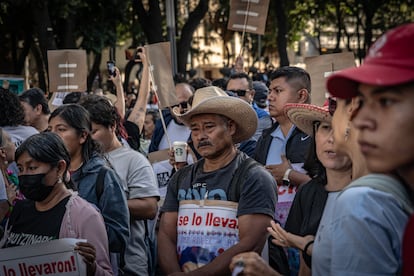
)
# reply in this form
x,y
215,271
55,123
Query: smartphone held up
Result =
x,y
111,68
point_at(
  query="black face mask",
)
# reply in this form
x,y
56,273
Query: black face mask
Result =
x,y
33,186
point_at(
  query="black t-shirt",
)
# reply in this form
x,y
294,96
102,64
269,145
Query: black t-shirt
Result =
x,y
258,195
307,208
29,226
306,211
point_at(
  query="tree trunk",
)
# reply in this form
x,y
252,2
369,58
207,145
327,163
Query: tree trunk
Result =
x,y
94,70
281,40
150,20
184,44
42,75
338,26
43,28
66,35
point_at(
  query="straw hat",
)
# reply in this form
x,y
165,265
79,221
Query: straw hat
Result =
x,y
304,115
213,100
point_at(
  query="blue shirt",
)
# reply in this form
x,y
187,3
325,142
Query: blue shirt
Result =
x,y
278,146
363,234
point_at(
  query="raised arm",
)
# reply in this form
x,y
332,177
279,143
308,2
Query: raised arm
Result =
x,y
120,97
137,115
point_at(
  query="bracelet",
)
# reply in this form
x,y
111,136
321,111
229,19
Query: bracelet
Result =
x,y
305,249
286,179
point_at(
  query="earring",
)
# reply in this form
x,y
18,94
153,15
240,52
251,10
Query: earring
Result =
x,y
60,179
347,131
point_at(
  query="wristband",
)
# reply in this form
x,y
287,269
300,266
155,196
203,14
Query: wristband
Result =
x,y
286,179
305,249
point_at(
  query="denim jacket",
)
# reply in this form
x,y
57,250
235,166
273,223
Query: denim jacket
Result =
x,y
112,202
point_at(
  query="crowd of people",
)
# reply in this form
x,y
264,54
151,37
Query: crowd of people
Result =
x,y
272,184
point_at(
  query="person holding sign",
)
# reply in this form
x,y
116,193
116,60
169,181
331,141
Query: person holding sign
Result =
x,y
50,210
212,204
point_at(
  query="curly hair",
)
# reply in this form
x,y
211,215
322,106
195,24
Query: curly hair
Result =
x,y
11,111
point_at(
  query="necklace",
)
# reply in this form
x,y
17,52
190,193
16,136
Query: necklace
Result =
x,y
77,167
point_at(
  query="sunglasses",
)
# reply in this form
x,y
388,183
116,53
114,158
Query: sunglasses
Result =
x,y
183,105
331,105
238,92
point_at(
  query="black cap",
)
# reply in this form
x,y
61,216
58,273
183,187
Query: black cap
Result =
x,y
260,95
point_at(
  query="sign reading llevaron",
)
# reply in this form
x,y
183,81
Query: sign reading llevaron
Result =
x,y
248,16
67,70
50,258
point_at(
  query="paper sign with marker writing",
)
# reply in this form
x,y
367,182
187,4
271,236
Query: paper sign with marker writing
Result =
x,y
67,70
56,257
248,15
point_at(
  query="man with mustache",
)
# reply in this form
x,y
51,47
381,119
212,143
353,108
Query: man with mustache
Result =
x,y
207,215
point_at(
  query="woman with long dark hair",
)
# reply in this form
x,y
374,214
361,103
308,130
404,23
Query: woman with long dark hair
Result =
x,y
72,123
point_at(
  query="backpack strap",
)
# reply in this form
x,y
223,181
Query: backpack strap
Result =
x,y
99,186
240,176
386,184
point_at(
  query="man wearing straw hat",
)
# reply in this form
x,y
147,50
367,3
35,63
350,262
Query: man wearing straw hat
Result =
x,y
207,216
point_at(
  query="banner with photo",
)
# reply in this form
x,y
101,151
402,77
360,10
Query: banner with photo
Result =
x,y
205,229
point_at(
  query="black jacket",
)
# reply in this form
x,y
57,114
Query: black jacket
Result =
x,y
297,146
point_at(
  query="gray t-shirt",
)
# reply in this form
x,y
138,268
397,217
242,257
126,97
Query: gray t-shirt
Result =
x,y
257,196
138,181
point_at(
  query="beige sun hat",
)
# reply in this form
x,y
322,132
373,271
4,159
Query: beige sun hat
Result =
x,y
213,100
303,116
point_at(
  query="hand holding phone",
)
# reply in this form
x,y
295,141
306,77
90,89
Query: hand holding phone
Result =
x,y
111,68
138,51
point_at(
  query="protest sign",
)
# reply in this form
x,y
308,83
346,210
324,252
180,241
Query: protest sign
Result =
x,y
205,229
320,67
67,70
159,58
248,16
56,257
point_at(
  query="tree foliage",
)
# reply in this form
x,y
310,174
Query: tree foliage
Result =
x,y
34,27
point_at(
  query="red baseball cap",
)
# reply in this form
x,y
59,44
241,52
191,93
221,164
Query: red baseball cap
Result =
x,y
390,61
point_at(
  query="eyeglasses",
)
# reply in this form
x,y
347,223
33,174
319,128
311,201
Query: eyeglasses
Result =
x,y
239,92
331,105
